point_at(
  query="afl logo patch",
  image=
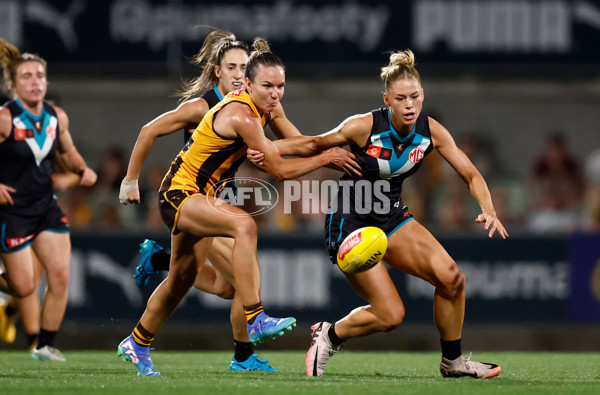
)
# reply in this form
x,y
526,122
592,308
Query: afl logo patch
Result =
x,y
415,155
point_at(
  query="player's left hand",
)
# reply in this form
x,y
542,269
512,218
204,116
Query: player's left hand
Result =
x,y
345,161
256,157
493,224
88,177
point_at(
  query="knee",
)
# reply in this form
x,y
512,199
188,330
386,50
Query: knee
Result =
x,y
392,320
227,291
23,290
245,227
452,282
58,277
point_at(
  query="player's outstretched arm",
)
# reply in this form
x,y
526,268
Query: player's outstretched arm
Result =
x,y
189,113
245,124
447,147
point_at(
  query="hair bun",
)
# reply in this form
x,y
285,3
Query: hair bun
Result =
x,y
261,45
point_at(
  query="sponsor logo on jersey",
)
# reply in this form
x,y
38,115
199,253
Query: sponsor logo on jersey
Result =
x,y
379,152
416,155
22,134
14,242
374,151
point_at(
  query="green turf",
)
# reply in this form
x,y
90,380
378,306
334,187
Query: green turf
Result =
x,y
90,372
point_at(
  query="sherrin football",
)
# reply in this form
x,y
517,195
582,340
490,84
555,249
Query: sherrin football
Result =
x,y
362,249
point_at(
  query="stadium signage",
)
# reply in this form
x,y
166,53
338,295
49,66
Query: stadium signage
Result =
x,y
526,280
156,25
349,32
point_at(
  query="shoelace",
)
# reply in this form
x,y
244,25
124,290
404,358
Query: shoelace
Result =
x,y
467,360
259,359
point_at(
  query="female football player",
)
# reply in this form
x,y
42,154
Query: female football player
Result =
x,y
391,143
31,133
223,60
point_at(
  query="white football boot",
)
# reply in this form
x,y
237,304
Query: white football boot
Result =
x,y
462,366
321,350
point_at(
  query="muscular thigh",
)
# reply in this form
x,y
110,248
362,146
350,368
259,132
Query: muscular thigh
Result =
x,y
19,268
203,215
53,249
413,250
377,288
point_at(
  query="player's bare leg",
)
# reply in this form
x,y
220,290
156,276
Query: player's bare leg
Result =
x,y
54,252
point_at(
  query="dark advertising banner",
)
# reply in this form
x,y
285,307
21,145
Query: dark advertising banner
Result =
x,y
584,301
516,280
134,32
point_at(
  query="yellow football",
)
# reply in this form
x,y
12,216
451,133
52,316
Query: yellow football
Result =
x,y
362,249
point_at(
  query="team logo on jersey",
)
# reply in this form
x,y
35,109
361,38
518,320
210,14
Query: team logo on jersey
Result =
x,y
22,134
416,155
379,152
51,132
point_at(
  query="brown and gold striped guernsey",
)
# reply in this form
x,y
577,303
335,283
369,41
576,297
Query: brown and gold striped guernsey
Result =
x,y
209,158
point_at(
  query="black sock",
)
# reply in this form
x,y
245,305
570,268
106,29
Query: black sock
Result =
x,y
243,350
31,339
451,349
161,260
333,337
46,338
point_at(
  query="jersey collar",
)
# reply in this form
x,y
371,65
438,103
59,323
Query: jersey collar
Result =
x,y
218,93
402,139
29,114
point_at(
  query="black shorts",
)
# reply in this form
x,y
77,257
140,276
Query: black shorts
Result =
x,y
19,231
338,226
169,203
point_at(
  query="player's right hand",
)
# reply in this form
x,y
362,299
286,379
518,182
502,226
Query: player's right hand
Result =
x,y
130,192
5,197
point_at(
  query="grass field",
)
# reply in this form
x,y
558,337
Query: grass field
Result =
x,y
90,372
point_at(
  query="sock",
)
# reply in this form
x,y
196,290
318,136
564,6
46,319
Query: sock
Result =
x,y
333,337
10,310
161,260
141,336
243,350
46,338
253,311
451,349
31,339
